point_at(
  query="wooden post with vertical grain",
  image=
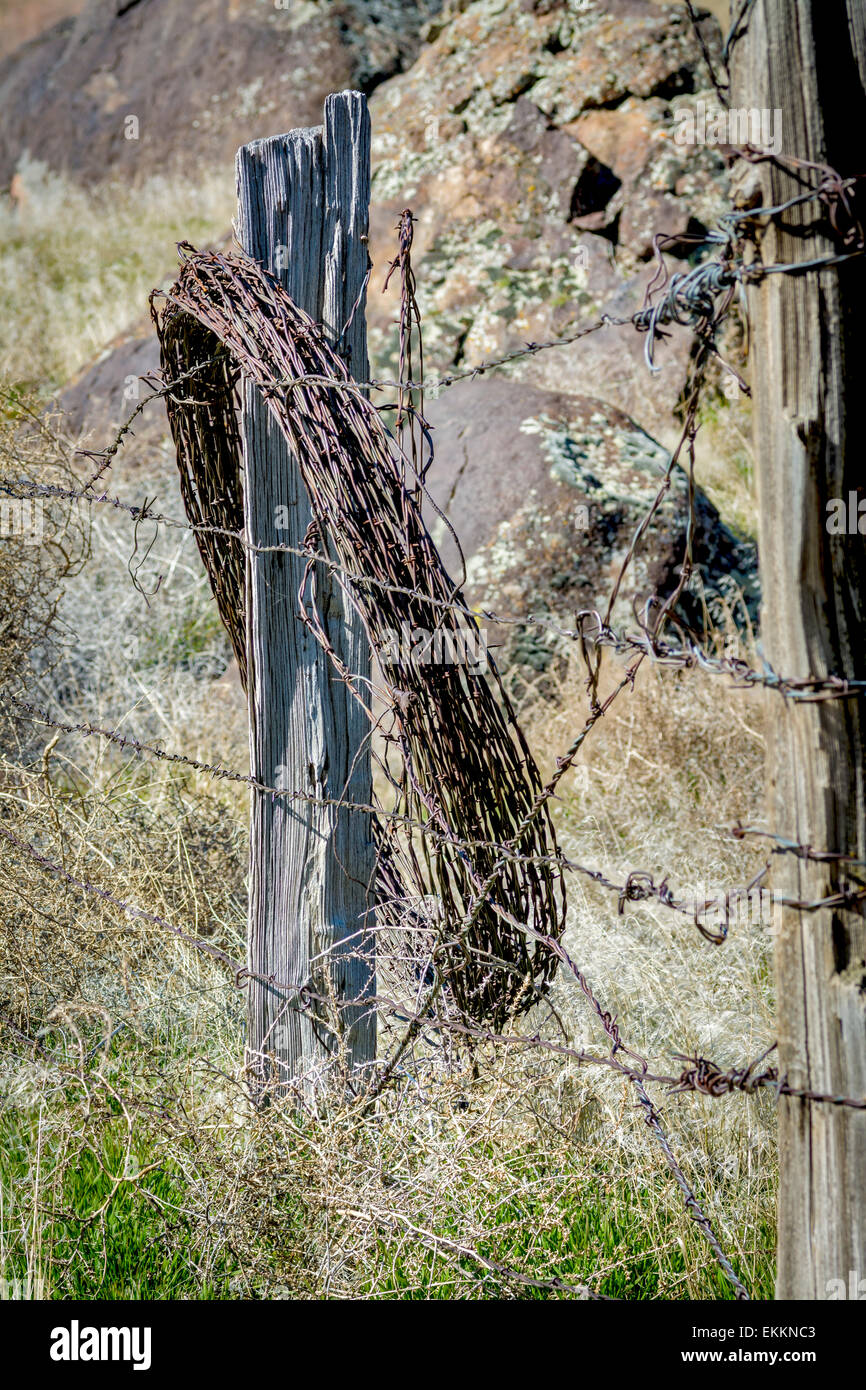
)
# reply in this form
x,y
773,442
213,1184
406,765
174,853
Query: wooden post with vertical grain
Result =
x,y
303,206
807,58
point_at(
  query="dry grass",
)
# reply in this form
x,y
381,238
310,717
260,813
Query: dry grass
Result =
x,y
77,265
509,1155
133,1164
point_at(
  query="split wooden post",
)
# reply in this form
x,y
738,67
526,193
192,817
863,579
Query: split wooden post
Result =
x,y
303,206
807,59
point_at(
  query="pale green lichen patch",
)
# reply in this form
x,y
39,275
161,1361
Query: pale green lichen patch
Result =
x,y
605,459
461,324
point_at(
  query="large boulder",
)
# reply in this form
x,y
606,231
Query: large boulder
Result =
x,y
545,492
103,397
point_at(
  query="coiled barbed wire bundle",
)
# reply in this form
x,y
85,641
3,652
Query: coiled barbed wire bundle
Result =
x,y
465,764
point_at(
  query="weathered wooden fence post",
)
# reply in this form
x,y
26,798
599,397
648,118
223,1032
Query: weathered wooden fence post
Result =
x,y
303,213
807,58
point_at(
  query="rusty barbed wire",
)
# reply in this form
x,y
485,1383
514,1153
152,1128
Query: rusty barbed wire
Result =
x,y
159,390
639,885
736,30
801,851
409,335
700,1074
652,1117
721,89
688,654
707,1078
129,743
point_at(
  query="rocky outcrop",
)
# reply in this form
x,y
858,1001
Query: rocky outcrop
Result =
x,y
103,396
130,87
534,141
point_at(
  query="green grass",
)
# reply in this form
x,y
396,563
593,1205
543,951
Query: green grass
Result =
x,y
599,1222
603,1223
549,1212
141,1246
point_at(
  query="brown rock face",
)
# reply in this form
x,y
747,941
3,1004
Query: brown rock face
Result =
x,y
545,492
103,397
534,143
199,78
